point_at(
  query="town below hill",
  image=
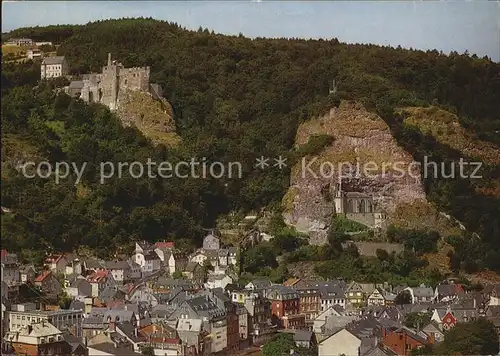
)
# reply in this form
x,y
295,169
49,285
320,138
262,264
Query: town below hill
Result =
x,y
162,301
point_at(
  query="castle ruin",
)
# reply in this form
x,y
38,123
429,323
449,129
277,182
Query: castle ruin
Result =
x,y
108,86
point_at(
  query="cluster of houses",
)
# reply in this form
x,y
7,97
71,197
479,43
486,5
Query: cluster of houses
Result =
x,y
29,46
192,304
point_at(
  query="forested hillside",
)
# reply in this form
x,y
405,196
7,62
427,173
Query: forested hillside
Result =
x,y
234,99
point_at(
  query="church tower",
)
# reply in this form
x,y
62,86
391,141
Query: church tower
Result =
x,y
339,198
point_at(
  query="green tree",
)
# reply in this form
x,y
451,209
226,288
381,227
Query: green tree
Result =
x,y
64,300
417,320
278,346
148,351
177,275
477,337
403,298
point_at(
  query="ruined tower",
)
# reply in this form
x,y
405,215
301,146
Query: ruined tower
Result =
x,y
109,83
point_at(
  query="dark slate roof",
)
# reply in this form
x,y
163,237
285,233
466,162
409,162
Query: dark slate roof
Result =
x,y
412,334
421,292
162,311
282,293
363,327
151,255
53,60
463,315
223,252
493,311
261,283
117,265
172,283
109,348
331,290
302,335
76,84
219,293
191,266
447,290
25,269
204,306
76,304
92,263
144,245
110,293
76,282
118,315
129,330
176,296
73,341
93,319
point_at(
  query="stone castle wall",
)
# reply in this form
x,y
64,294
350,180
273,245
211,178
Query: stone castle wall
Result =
x,y
111,84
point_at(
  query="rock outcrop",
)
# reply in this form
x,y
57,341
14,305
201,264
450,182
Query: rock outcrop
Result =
x,y
364,157
153,117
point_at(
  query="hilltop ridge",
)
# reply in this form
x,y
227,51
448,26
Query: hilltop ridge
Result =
x,y
236,99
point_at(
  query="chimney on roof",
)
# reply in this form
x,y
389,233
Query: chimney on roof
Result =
x,y
112,324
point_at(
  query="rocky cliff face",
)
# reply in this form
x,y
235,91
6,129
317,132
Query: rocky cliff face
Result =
x,y
366,157
154,118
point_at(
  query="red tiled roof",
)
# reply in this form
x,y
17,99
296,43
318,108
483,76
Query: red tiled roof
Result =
x,y
98,276
165,244
42,276
54,258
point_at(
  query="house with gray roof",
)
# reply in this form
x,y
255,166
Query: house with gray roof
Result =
x,y
331,293
53,67
119,269
161,312
431,330
218,281
447,292
74,88
79,288
130,331
213,316
211,242
421,294
304,338
259,284
190,332
77,346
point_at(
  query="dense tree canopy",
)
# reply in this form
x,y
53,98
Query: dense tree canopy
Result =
x,y
477,337
234,99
